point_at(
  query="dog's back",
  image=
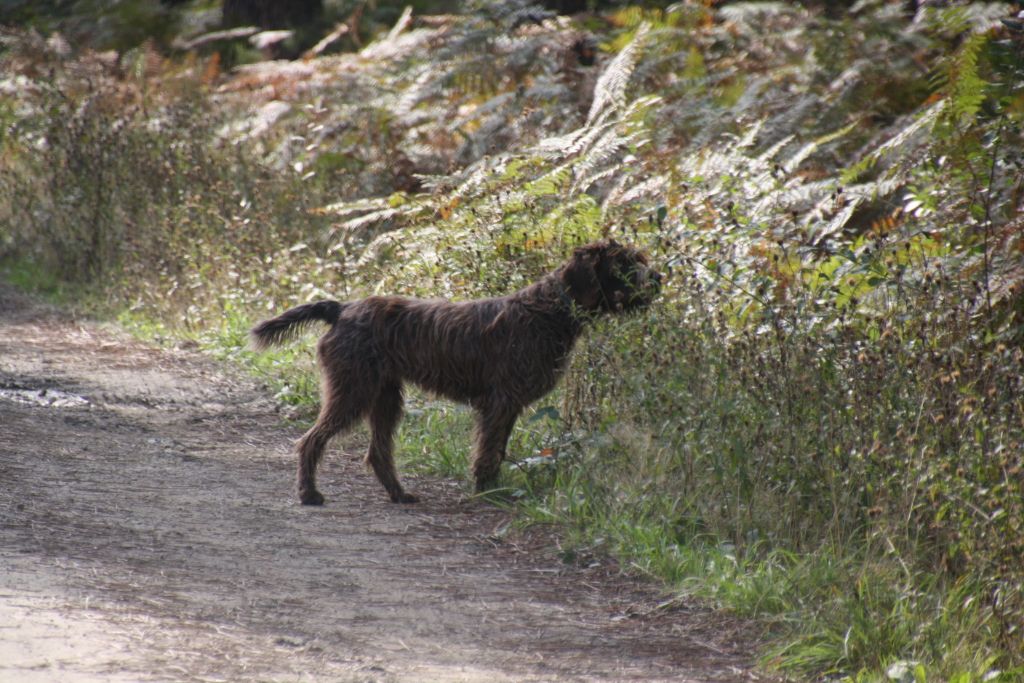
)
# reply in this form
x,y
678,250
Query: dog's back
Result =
x,y
448,348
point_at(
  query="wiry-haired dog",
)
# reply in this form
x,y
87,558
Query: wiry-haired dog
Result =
x,y
498,355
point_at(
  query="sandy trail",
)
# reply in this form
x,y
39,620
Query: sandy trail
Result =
x,y
149,531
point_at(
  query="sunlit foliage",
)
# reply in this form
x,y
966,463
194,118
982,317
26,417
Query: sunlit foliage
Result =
x,y
820,424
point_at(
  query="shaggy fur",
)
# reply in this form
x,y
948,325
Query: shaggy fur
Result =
x,y
498,355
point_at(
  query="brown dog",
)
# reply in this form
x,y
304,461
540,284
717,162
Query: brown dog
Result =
x,y
498,355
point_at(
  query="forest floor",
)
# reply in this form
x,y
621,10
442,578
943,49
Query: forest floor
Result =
x,y
149,531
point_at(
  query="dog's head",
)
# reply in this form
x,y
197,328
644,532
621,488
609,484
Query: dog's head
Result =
x,y
608,276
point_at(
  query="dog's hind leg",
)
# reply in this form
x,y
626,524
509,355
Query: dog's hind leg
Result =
x,y
338,412
384,417
493,427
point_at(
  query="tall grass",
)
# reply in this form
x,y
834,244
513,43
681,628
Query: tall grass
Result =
x,y
849,479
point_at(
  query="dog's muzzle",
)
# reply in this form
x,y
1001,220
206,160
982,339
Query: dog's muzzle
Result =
x,y
646,287
650,282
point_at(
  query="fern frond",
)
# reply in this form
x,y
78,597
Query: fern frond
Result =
x,y
561,145
883,187
551,183
401,45
811,147
610,91
588,135
708,162
898,142
750,135
652,188
796,195
603,149
490,106
751,12
475,177
342,209
587,181
839,221
767,156
966,88
425,85
368,219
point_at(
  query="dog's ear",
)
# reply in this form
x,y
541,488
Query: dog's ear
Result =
x,y
580,276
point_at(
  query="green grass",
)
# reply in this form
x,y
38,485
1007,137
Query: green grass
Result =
x,y
835,610
435,437
289,371
31,277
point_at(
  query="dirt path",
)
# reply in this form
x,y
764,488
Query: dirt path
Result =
x,y
149,531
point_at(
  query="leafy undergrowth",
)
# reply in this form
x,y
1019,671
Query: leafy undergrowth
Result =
x,y
818,425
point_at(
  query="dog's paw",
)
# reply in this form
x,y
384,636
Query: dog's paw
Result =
x,y
403,497
311,497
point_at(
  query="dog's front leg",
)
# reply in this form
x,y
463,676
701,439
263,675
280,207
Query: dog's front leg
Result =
x,y
493,428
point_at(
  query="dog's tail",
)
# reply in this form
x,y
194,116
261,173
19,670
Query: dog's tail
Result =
x,y
288,324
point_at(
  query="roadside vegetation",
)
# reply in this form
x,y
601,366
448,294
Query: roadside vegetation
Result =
x,y
820,424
